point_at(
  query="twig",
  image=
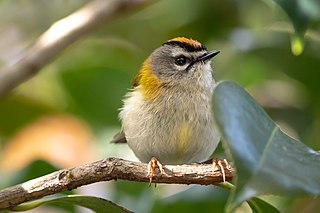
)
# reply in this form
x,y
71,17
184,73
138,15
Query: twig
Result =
x,y
106,170
59,36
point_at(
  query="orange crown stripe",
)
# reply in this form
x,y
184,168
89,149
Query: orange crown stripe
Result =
x,y
187,40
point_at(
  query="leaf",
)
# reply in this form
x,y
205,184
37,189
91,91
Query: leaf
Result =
x,y
267,160
17,111
297,44
258,205
34,169
94,203
301,13
210,199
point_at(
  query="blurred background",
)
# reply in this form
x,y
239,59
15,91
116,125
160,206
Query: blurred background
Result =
x,y
67,114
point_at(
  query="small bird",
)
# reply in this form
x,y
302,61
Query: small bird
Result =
x,y
167,116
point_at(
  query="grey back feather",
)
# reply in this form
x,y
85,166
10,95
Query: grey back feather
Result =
x,y
120,137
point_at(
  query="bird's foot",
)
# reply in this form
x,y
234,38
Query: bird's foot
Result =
x,y
152,165
218,166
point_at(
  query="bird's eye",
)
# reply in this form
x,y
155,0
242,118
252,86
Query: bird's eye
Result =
x,y
181,60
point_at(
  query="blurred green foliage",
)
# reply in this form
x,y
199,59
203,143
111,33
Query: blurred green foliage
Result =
x,y
90,78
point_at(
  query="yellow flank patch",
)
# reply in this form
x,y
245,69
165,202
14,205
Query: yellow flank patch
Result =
x,y
187,40
183,138
148,82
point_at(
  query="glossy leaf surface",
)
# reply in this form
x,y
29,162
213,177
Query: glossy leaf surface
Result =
x,y
267,160
94,203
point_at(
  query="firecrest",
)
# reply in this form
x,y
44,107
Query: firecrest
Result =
x,y
168,113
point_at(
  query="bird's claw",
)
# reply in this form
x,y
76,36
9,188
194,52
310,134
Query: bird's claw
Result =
x,y
152,165
218,166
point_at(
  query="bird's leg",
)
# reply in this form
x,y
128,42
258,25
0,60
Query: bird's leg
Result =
x,y
152,165
217,165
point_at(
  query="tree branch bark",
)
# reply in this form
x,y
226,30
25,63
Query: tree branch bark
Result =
x,y
58,37
106,170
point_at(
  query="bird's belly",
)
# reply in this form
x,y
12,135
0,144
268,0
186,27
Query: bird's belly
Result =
x,y
172,140
171,130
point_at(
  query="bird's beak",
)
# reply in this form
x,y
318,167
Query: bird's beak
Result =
x,y
205,57
208,55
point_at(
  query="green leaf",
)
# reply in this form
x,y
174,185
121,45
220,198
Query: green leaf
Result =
x,y
17,111
34,169
258,205
301,13
297,44
94,203
211,199
299,17
267,160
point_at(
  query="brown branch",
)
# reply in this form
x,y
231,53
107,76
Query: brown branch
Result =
x,y
58,37
106,170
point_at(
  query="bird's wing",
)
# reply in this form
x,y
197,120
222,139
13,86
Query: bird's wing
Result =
x,y
120,137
